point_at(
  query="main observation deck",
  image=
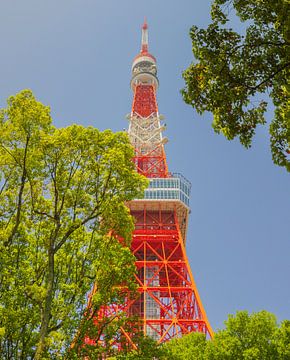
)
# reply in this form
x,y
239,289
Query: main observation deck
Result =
x,y
176,187
167,194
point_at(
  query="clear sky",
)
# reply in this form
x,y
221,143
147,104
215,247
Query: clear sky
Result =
x,y
76,55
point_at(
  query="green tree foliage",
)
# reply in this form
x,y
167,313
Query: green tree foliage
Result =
x,y
234,73
191,346
245,337
147,349
62,193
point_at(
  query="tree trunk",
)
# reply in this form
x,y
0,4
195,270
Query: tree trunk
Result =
x,y
46,312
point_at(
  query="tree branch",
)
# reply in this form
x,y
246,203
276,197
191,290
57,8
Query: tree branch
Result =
x,y
20,194
271,76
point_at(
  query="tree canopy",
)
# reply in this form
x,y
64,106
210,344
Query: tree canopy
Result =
x,y
234,73
62,199
245,337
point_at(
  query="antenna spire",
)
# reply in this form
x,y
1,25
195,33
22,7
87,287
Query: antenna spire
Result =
x,y
144,42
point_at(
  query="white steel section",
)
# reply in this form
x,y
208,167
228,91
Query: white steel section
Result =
x,y
146,133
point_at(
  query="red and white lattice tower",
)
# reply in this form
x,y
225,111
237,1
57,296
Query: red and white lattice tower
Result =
x,y
168,304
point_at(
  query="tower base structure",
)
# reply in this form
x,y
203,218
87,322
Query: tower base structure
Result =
x,y
168,299
167,304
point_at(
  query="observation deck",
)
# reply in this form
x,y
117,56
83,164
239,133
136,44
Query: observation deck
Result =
x,y
176,187
167,194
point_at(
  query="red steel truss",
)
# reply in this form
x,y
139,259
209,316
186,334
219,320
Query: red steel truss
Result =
x,y
168,304
144,103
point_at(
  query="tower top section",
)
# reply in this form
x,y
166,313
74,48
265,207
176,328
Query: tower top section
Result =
x,y
144,70
144,42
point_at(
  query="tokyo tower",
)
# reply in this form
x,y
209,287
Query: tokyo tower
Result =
x,y
168,304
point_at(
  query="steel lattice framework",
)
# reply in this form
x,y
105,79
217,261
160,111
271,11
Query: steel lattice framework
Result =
x,y
168,304
145,132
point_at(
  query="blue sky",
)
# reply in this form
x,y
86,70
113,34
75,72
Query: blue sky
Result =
x,y
76,55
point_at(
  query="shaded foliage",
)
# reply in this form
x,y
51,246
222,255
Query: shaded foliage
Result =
x,y
234,73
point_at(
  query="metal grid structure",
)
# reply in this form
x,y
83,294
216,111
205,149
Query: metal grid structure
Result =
x,y
163,274
168,304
